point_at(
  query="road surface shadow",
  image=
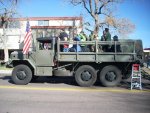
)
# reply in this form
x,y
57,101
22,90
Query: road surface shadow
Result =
x,y
55,80
71,81
5,77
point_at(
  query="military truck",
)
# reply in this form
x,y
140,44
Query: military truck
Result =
x,y
46,59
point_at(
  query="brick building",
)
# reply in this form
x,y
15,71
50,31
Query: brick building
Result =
x,y
40,26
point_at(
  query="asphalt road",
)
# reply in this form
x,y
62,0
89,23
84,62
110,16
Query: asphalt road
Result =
x,y
62,95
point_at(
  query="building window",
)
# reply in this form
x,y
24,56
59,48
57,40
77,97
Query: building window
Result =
x,y
43,23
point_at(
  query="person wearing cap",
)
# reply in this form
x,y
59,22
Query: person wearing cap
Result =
x,y
118,48
77,47
107,38
107,35
63,37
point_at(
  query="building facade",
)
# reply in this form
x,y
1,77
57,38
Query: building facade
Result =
x,y
40,27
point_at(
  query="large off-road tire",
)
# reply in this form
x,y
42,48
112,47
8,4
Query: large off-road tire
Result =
x,y
85,76
110,76
21,75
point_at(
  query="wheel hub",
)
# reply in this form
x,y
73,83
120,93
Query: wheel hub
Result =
x,y
86,76
110,76
21,75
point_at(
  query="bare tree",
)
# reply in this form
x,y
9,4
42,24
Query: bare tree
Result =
x,y
7,12
102,12
123,25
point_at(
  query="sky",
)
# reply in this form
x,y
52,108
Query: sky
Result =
x,y
138,11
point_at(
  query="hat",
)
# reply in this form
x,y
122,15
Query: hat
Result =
x,y
115,38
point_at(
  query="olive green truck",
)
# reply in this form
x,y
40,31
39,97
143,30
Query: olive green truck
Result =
x,y
108,67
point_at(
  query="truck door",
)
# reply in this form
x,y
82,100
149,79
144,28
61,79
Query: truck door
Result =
x,y
45,54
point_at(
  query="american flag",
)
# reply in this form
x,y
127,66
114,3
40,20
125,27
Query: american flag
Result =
x,y
27,39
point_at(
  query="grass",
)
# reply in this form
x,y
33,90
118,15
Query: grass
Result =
x,y
4,68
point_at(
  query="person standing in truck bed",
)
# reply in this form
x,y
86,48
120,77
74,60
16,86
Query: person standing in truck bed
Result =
x,y
83,39
107,38
118,48
63,37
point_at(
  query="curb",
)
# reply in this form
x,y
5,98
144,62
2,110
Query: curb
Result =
x,y
5,71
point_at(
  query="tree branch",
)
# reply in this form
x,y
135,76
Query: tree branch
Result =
x,y
89,30
75,3
108,15
91,10
84,4
102,24
104,3
96,7
1,2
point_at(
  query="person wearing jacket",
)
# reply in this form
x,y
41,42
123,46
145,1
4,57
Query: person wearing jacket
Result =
x,y
82,38
107,38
